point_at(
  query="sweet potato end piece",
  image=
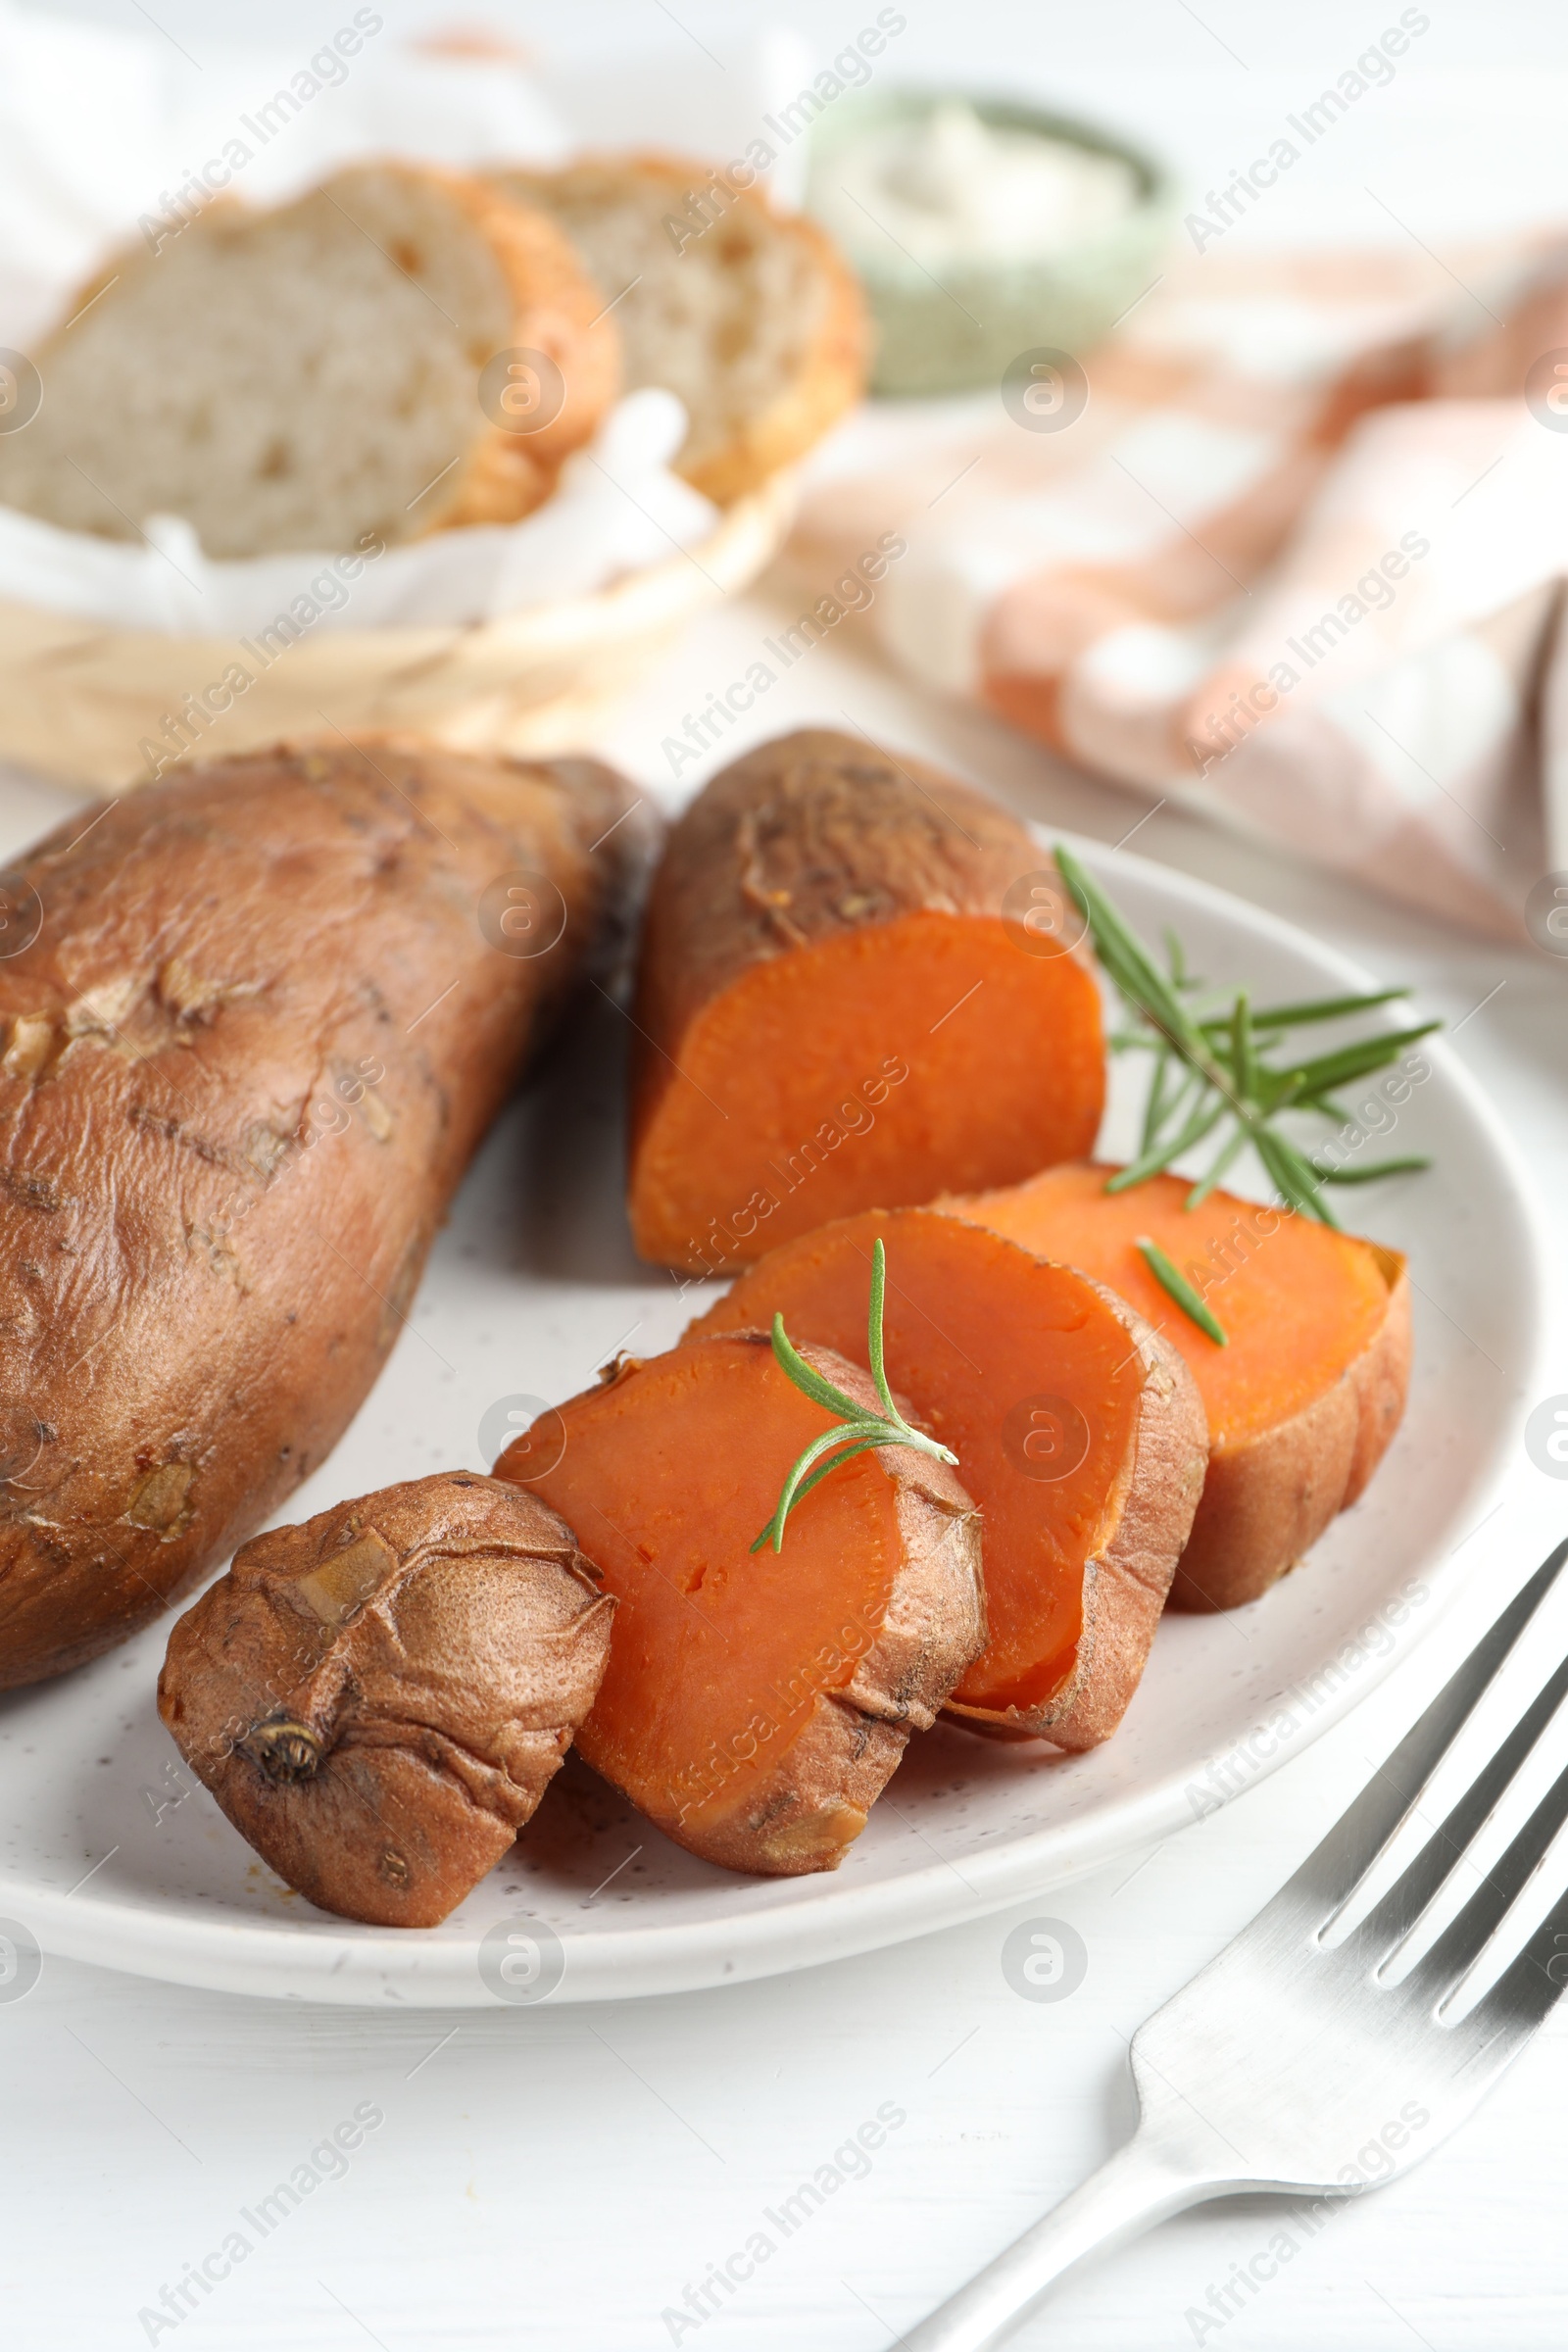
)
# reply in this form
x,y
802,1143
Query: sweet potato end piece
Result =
x,y
379,1698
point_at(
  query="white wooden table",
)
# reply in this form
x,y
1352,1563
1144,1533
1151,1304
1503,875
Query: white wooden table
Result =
x,y
566,2179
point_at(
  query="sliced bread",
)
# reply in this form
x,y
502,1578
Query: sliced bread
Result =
x,y
306,376
750,314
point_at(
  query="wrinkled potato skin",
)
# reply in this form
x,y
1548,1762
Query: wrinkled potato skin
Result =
x,y
242,1068
439,1682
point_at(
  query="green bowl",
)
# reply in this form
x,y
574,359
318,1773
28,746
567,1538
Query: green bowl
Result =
x,y
964,332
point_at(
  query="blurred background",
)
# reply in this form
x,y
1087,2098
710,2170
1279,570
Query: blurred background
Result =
x,y
1466,140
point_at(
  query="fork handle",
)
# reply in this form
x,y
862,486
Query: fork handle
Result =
x,y
1131,2192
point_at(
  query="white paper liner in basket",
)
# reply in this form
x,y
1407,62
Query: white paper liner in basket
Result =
x,y
106,707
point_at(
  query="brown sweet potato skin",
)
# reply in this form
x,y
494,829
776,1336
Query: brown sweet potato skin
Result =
x,y
435,1645
1266,1503
242,1068
818,838
1128,1579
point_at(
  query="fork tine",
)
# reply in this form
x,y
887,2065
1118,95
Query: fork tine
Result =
x,y
1336,1867
1527,1989
1391,1921
1465,1938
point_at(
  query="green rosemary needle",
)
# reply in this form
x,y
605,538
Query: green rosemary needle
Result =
x,y
1174,1282
1213,1074
858,1430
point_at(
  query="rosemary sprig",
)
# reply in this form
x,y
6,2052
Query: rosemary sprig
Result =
x,y
858,1431
1212,1067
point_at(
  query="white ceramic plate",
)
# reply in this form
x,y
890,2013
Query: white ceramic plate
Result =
x,y
114,1855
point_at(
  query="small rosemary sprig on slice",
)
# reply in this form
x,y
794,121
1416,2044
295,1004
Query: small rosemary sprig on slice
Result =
x,y
858,1430
1212,1071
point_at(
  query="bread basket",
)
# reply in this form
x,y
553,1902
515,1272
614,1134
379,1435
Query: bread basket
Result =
x,y
88,705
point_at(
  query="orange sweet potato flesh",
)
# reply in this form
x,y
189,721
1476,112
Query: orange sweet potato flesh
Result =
x,y
840,1006
755,1704
1306,1395
1077,1430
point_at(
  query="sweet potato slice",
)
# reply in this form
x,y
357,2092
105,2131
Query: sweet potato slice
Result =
x,y
854,992
756,1704
1306,1395
379,1697
1077,1430
268,1009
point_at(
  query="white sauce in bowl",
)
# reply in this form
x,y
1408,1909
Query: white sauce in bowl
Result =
x,y
949,187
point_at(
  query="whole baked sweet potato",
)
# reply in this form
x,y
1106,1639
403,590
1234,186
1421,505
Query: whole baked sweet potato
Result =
x,y
379,1697
268,1009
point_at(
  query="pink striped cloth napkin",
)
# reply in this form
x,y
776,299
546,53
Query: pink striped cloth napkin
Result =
x,y
1290,548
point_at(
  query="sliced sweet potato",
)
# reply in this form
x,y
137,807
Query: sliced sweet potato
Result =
x,y
379,1697
1308,1390
1077,1430
756,1704
856,991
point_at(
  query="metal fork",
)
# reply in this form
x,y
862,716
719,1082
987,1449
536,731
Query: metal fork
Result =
x,y
1290,2064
